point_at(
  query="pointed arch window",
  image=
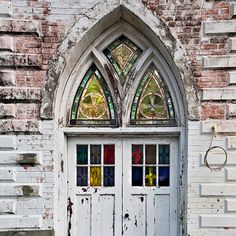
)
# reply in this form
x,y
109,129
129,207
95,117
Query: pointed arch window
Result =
x,y
93,103
152,103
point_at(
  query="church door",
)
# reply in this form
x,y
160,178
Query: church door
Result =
x,y
122,186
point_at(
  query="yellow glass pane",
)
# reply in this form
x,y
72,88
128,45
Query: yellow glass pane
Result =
x,y
95,176
93,103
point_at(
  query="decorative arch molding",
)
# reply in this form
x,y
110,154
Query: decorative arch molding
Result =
x,y
92,24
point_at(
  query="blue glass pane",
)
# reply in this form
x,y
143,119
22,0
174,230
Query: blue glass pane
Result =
x,y
82,176
137,176
164,154
95,154
82,154
109,176
164,176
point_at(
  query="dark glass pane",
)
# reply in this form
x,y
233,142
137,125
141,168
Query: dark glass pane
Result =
x,y
137,154
95,154
150,176
109,176
164,154
95,176
82,176
109,154
150,154
164,176
137,176
82,154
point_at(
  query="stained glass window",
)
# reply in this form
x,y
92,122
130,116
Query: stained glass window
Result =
x,y
152,103
122,54
151,162
93,102
95,165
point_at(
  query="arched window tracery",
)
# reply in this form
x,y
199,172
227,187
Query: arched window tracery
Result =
x,y
94,105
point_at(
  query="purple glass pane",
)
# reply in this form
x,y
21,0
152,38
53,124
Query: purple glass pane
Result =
x,y
164,176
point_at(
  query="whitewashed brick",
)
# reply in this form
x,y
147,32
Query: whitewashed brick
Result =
x,y
231,77
6,43
218,158
233,10
5,8
220,27
7,174
7,207
218,220
20,158
8,142
231,142
221,126
27,190
230,173
215,94
7,78
19,222
230,205
232,44
218,189
231,110
219,61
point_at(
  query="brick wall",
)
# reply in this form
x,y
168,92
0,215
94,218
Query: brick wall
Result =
x,y
31,31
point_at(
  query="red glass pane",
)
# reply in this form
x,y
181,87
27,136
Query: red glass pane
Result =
x,y
109,154
137,154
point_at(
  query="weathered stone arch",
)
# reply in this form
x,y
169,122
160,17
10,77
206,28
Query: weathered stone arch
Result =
x,y
95,21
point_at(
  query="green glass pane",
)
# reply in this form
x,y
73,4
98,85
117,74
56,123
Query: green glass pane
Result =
x,y
150,152
164,154
95,176
82,154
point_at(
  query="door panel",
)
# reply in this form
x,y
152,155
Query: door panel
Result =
x,y
140,200
96,198
149,191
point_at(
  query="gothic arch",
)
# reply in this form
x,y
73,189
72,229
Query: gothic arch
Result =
x,y
95,21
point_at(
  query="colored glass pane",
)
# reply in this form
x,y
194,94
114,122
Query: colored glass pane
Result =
x,y
95,176
164,154
122,53
137,154
150,151
164,176
109,176
150,176
137,176
82,154
152,103
109,154
82,176
93,103
95,154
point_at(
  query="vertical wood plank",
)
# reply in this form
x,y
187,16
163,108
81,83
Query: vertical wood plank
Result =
x,y
83,224
107,217
162,215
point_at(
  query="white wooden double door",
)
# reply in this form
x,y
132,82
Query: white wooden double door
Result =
x,y
123,186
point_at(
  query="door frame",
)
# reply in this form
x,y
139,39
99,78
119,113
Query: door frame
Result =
x,y
61,204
